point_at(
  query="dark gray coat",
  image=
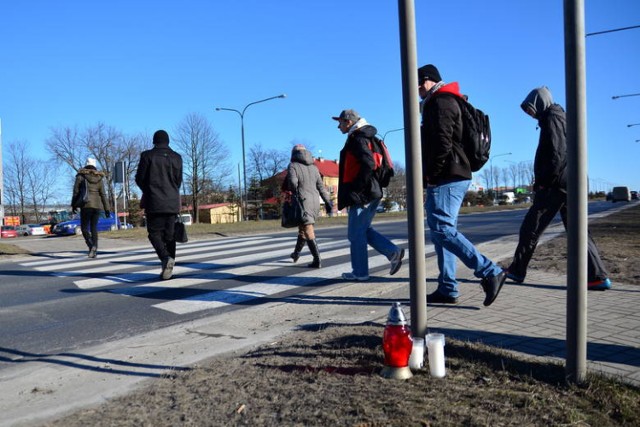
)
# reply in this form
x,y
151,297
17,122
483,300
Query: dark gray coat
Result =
x,y
304,176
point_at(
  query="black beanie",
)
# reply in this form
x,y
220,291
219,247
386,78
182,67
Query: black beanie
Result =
x,y
160,137
430,72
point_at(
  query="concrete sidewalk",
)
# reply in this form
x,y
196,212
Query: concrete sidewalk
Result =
x,y
530,319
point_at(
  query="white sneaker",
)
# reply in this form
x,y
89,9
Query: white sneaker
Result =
x,y
396,261
352,277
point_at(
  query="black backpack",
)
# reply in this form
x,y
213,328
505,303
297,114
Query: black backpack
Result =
x,y
82,196
383,169
476,134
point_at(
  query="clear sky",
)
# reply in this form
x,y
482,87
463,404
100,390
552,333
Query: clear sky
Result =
x,y
144,65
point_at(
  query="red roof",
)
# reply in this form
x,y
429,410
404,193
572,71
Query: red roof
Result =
x,y
328,168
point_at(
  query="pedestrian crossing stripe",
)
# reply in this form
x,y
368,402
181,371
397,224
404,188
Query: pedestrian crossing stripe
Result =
x,y
214,262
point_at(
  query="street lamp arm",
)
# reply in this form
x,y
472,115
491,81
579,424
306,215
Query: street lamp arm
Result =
x,y
284,95
229,109
624,96
389,131
612,31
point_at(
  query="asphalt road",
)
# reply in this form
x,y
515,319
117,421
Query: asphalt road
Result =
x,y
61,301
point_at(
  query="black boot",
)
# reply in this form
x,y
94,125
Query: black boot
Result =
x,y
296,251
313,248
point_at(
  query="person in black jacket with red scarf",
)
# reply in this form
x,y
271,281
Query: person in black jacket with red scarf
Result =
x,y
159,176
360,191
550,186
447,175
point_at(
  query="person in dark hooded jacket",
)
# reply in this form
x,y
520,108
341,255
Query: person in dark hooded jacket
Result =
x,y
360,191
550,186
159,176
90,211
447,175
304,178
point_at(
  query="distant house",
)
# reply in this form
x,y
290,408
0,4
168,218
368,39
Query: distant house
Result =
x,y
218,213
329,170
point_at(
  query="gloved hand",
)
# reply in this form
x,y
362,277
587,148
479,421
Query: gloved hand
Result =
x,y
107,214
329,208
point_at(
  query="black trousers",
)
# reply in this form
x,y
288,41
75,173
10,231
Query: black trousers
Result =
x,y
546,204
89,226
160,228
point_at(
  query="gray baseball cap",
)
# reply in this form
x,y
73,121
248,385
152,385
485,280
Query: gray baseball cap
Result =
x,y
348,115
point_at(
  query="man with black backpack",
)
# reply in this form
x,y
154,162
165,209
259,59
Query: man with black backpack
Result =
x,y
447,174
360,191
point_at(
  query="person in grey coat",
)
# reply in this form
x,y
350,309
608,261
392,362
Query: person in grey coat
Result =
x,y
304,177
97,200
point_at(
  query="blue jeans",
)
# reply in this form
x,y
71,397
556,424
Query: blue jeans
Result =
x,y
361,233
443,205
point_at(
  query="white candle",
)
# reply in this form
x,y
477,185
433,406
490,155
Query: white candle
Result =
x,y
416,360
435,349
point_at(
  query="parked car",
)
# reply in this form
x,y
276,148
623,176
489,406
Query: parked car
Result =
x,y
634,195
71,227
8,231
31,230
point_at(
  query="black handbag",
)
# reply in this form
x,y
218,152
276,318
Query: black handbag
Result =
x,y
293,213
180,231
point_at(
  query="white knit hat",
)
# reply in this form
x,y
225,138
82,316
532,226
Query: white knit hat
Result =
x,y
91,162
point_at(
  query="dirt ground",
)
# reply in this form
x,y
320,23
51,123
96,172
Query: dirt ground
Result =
x,y
328,375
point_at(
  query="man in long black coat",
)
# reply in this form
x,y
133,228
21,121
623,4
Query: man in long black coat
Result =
x,y
159,176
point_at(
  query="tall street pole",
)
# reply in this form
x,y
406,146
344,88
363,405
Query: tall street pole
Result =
x,y
244,164
575,80
413,159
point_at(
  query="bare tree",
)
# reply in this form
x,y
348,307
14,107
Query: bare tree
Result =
x,y
265,163
105,143
513,172
529,173
41,179
131,148
486,177
495,178
504,176
16,178
30,182
205,157
397,189
66,146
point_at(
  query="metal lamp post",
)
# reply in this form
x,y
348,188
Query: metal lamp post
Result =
x,y
633,124
244,193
